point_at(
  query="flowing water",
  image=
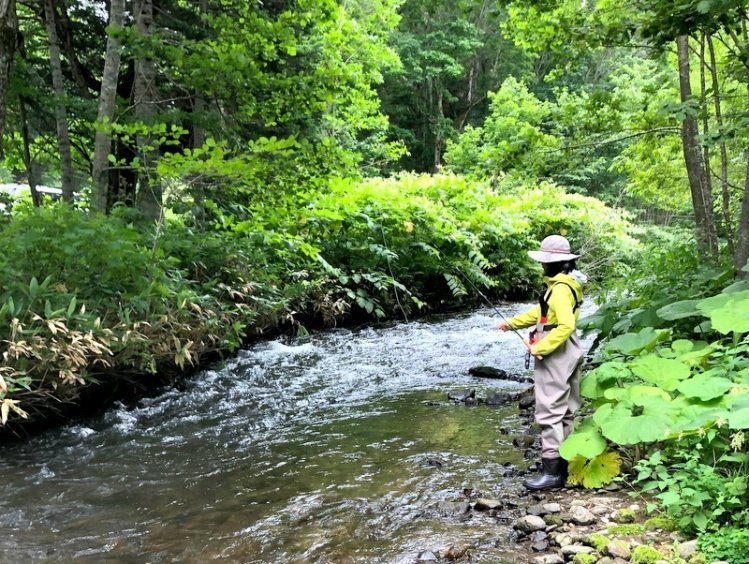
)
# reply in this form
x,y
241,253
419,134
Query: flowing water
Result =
x,y
338,447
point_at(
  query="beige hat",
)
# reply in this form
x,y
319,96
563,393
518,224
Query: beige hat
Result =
x,y
554,248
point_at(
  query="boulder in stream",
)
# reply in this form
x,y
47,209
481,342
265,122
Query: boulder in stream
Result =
x,y
461,395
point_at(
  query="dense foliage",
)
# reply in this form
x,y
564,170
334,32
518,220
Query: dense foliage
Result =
x,y
105,300
230,168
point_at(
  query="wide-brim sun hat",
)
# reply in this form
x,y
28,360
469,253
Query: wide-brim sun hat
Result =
x,y
554,248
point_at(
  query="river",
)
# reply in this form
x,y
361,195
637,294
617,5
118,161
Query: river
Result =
x,y
337,447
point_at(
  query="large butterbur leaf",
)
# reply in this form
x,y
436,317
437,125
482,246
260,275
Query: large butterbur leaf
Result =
x,y
585,441
618,424
705,388
666,373
679,310
634,343
728,313
597,472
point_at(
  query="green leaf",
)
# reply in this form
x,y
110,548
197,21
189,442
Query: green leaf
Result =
x,y
586,442
703,388
620,426
728,313
739,419
634,343
665,373
679,310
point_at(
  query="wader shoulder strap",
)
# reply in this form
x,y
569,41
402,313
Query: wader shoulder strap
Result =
x,y
544,298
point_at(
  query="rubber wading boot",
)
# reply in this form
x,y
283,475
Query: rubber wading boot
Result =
x,y
553,475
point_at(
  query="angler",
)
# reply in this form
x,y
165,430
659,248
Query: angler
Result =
x,y
558,355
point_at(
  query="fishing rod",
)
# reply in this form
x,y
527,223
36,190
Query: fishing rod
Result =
x,y
489,302
496,309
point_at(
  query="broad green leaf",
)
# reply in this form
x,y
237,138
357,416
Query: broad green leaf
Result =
x,y
634,343
665,373
727,312
703,388
679,310
620,426
590,388
609,371
739,419
588,443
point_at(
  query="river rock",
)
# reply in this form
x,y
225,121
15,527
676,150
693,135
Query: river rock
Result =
x,y
427,556
573,549
618,549
461,395
686,549
527,400
495,399
488,372
552,508
582,516
452,508
540,546
530,523
563,539
523,441
536,510
548,559
483,504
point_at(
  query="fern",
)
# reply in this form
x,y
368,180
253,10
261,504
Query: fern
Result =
x,y
456,286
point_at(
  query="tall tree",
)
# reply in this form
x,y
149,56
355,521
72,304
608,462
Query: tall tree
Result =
x,y
61,113
107,96
698,184
8,41
144,99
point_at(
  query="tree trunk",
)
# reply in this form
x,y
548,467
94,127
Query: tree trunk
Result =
x,y
8,41
105,117
438,138
144,98
742,239
701,197
724,191
28,161
61,113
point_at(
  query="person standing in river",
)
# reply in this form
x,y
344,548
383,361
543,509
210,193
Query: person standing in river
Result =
x,y
558,355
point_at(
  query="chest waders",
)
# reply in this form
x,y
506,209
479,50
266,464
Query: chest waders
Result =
x,y
557,393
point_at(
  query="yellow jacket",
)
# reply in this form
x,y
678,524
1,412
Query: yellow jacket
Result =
x,y
561,306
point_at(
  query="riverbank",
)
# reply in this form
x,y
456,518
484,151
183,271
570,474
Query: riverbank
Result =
x,y
95,308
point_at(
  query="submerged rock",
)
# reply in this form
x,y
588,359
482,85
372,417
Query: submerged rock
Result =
x,y
488,372
461,395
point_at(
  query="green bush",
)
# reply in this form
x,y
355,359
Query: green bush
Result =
x,y
730,544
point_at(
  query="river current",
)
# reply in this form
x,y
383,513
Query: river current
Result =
x,y
337,447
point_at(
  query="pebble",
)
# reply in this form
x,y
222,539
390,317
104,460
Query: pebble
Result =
x,y
536,510
686,549
618,549
582,516
552,508
427,556
548,559
599,510
530,523
573,549
487,504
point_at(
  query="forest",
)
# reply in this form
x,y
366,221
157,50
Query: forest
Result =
x,y
196,175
